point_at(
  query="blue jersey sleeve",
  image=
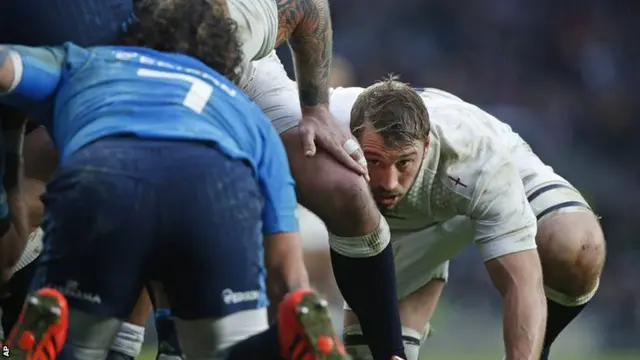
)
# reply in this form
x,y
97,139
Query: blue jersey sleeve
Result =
x,y
277,187
38,72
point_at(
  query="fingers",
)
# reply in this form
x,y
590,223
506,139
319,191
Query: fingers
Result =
x,y
349,154
356,160
308,141
355,152
358,156
346,159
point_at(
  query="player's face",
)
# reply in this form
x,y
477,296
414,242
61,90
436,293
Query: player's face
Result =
x,y
392,169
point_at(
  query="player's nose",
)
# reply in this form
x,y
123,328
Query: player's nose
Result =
x,y
389,178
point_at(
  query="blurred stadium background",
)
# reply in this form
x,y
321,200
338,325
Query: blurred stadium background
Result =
x,y
564,74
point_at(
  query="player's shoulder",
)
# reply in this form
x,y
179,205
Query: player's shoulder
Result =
x,y
461,176
461,122
341,101
467,135
471,144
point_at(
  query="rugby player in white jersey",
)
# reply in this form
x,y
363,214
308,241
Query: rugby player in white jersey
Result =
x,y
451,176
330,177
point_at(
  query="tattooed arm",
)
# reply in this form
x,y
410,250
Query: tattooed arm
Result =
x,y
306,25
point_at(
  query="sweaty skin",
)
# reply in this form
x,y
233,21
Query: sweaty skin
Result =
x,y
306,25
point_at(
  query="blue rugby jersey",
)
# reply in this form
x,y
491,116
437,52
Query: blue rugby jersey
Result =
x,y
85,94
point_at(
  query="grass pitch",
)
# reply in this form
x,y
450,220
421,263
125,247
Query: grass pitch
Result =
x,y
150,353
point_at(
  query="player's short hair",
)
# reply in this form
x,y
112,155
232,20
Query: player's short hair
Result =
x,y
198,28
394,110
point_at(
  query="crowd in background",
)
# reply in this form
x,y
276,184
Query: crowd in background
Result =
x,y
562,73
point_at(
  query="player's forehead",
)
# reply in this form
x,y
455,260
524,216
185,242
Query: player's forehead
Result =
x,y
374,144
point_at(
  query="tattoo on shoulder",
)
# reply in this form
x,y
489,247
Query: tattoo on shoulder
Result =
x,y
306,24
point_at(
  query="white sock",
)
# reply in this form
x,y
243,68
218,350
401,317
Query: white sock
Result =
x,y
129,340
411,348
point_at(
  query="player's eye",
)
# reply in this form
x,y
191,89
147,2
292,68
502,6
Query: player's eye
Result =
x,y
373,162
402,164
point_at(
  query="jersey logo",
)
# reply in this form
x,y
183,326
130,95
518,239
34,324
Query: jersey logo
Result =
x,y
456,181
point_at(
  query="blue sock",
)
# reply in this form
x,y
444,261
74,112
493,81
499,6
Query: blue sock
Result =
x,y
265,345
168,343
368,285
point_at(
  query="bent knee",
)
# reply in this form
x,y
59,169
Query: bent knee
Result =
x,y
338,196
572,250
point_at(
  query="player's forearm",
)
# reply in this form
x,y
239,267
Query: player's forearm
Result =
x,y
284,259
311,39
285,266
518,278
525,316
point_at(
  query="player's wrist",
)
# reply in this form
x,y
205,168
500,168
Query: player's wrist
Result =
x,y
316,110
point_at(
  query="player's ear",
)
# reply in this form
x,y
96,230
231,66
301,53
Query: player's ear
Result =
x,y
426,142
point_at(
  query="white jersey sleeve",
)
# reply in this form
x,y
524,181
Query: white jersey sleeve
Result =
x,y
504,220
477,177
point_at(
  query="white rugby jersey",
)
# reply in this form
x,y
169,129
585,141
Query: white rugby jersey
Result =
x,y
467,170
257,30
